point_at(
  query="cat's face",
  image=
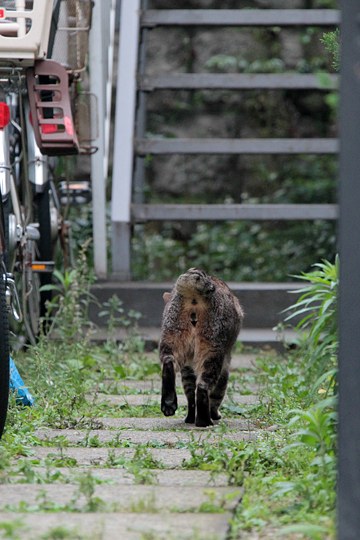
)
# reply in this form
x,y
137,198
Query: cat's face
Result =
x,y
195,280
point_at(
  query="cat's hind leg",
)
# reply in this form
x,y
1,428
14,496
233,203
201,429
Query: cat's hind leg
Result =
x,y
217,394
206,382
188,378
168,387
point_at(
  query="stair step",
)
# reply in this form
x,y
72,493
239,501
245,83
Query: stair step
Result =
x,y
252,337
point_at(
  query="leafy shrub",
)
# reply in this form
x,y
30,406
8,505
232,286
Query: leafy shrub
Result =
x,y
298,495
331,40
317,307
237,251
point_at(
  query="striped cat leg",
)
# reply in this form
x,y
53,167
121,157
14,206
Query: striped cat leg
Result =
x,y
206,382
217,395
188,378
168,388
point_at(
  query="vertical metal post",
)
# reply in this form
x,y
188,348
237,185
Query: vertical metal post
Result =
x,y
109,38
140,118
349,311
124,137
98,173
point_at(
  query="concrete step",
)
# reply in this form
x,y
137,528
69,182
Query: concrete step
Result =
x,y
252,337
121,477
263,303
115,526
128,437
127,499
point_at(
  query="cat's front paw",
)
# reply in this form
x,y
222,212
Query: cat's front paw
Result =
x,y
190,419
203,422
215,415
169,405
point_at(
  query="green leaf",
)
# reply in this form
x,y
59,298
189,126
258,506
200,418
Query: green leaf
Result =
x,y
316,532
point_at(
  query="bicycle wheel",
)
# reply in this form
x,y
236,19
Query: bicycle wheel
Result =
x,y
45,244
55,234
4,331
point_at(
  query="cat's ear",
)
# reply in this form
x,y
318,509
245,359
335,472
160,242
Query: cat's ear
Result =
x,y
166,297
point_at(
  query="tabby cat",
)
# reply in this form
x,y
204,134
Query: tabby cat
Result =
x,y
201,322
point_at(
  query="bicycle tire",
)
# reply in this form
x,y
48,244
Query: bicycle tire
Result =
x,y
4,356
45,244
54,245
4,333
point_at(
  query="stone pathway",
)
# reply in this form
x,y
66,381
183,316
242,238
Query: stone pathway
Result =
x,y
87,472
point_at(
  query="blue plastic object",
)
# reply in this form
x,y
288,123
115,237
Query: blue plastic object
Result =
x,y
23,396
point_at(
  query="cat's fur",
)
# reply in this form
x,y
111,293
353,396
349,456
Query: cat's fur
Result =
x,y
201,322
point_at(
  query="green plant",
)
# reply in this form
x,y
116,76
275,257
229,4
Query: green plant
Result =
x,y
117,317
237,251
317,308
331,40
147,504
86,488
68,309
141,465
317,432
13,529
63,533
4,465
291,485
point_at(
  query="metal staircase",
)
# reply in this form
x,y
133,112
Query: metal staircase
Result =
x,y
262,301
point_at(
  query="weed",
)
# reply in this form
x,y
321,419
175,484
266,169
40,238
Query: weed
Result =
x,y
67,310
146,505
213,505
331,40
141,465
61,460
293,490
149,536
44,504
86,487
317,307
114,460
116,318
63,533
131,362
142,475
4,465
13,529
90,441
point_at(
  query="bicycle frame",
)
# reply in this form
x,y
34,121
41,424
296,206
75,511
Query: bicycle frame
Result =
x,y
4,163
37,162
18,145
39,125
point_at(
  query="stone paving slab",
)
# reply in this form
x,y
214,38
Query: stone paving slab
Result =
x,y
149,385
170,458
174,497
143,400
243,361
117,438
168,477
125,499
121,526
238,361
170,423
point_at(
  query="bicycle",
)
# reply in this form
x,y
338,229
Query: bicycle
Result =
x,y
35,122
4,325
